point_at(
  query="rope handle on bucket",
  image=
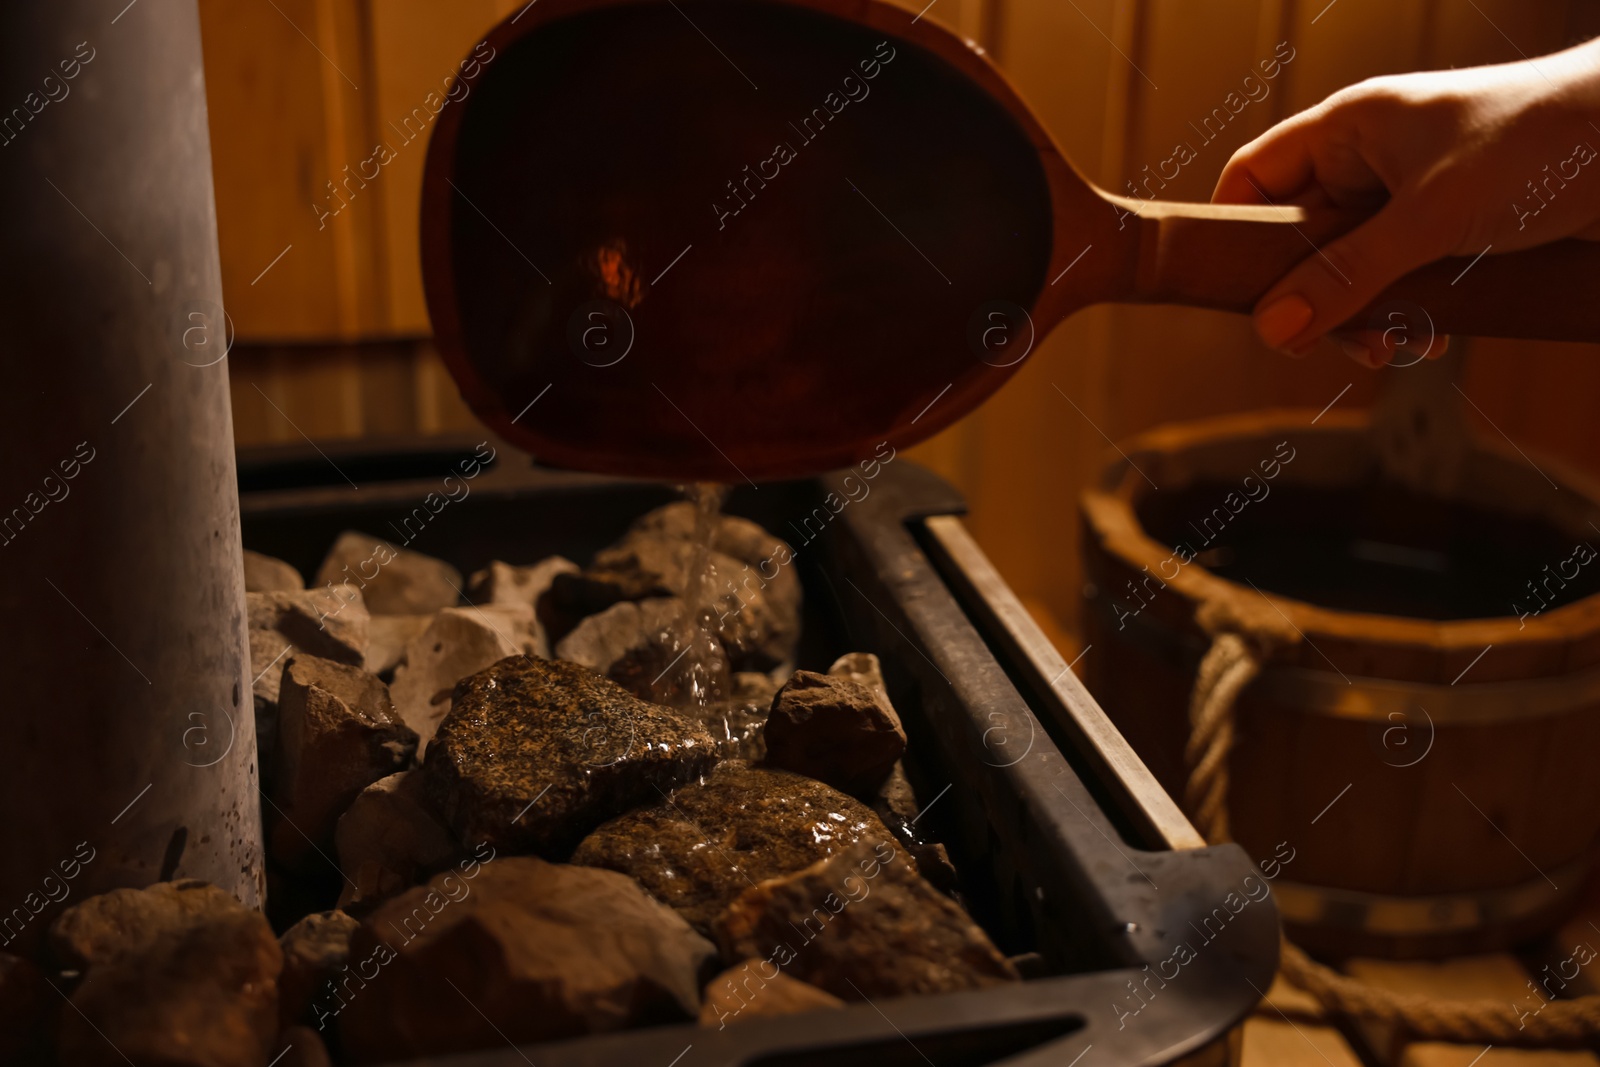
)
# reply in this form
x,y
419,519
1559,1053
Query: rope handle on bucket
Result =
x,y
1244,637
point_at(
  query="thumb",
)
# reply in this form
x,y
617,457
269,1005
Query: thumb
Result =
x,y
1343,276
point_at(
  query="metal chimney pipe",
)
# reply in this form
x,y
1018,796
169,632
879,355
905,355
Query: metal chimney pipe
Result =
x,y
127,735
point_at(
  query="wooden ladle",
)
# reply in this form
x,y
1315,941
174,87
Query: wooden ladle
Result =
x,y
735,240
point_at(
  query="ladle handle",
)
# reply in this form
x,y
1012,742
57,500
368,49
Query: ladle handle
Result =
x,y
1227,256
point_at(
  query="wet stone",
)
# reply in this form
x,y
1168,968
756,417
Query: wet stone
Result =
x,y
715,838
640,646
536,753
625,641
179,974
535,952
636,568
736,723
862,924
835,730
896,804
457,643
753,606
394,581
933,860
765,566
754,687
645,567
314,951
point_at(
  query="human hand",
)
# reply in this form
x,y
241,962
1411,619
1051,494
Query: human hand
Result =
x,y
1499,157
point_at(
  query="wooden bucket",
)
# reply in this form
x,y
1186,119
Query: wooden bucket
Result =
x,y
1426,754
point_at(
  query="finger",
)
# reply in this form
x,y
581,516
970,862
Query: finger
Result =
x,y
1314,158
1369,348
1376,348
1341,278
1379,348
1274,167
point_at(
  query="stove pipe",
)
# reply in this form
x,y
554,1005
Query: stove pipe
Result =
x,y
127,736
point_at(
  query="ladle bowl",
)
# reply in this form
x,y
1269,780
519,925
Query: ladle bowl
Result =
x,y
740,240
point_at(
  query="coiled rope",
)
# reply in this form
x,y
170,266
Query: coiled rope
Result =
x,y
1244,636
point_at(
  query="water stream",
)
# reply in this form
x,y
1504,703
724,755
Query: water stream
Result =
x,y
697,671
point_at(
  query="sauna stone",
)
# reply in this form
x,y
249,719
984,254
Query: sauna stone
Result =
x,y
506,583
862,924
314,951
264,574
736,723
635,568
388,840
338,732
758,988
636,644
331,623
457,643
717,837
536,753
179,974
896,802
767,556
835,730
755,687
387,637
733,536
536,951
757,621
518,623
864,669
395,581
628,639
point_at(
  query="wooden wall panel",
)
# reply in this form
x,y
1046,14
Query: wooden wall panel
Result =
x,y
1022,456
302,93
1496,31
374,389
1219,367
1206,108
280,394
419,45
1345,41
280,106
1062,64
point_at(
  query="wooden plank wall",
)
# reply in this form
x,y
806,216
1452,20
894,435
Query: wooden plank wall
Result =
x,y
332,335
